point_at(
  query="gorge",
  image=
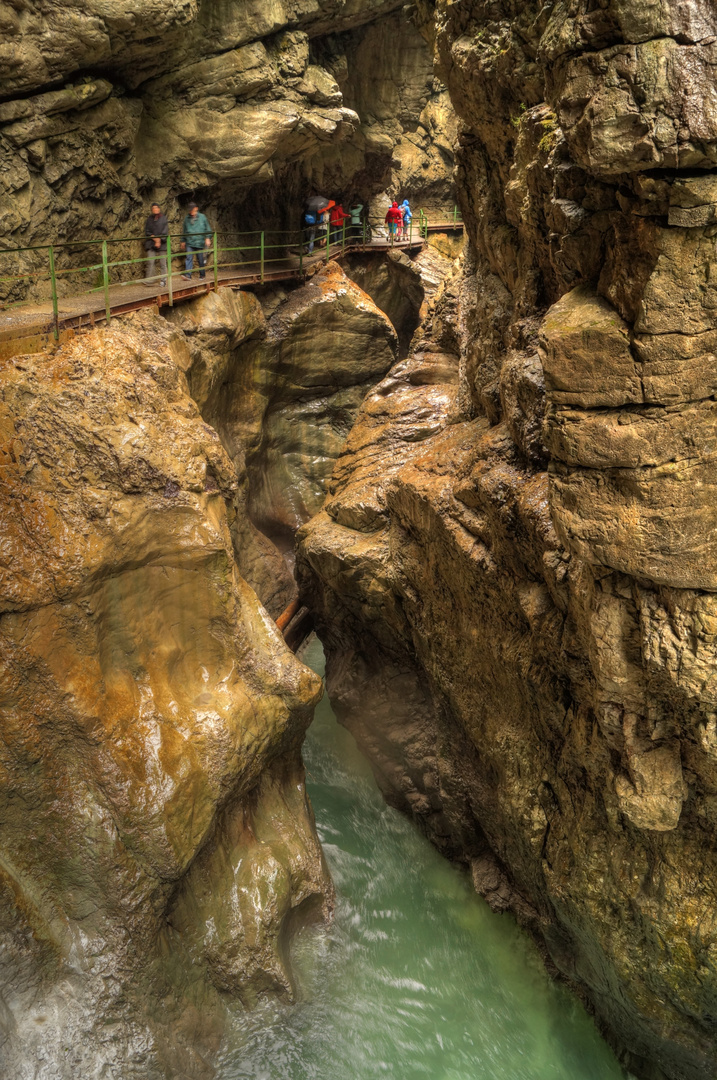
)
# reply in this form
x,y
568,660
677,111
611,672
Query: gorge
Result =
x,y
485,468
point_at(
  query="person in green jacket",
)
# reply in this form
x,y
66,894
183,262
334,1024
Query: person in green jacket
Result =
x,y
355,212
196,237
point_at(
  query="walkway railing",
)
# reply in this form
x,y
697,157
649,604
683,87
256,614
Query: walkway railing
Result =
x,y
43,271
425,225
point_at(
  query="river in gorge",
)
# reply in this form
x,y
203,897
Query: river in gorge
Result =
x,y
416,977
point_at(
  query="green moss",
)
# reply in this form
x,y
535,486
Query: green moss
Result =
x,y
548,142
550,134
516,121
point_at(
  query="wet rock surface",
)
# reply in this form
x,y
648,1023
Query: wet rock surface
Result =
x,y
288,398
400,284
514,566
280,379
516,554
214,328
245,107
152,718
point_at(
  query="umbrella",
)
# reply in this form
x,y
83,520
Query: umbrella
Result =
x,y
317,204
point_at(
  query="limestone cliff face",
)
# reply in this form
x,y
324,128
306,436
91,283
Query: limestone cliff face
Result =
x,y
156,838
291,395
517,554
281,380
246,106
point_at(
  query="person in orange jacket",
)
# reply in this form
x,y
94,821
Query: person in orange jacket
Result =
x,y
394,218
337,219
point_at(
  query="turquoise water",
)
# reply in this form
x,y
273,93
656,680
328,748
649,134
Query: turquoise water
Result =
x,y
416,978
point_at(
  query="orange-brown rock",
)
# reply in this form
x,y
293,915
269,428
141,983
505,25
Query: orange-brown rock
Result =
x,y
289,395
215,326
151,719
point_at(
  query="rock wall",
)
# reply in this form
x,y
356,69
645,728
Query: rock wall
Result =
x,y
247,107
513,572
401,284
158,846
280,380
157,843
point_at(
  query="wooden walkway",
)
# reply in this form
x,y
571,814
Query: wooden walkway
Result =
x,y
28,328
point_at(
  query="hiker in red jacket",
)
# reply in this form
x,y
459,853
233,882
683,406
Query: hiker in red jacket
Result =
x,y
394,218
338,217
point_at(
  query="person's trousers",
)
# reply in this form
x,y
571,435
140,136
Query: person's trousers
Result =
x,y
311,236
201,261
152,257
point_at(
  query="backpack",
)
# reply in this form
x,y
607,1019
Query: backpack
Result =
x,y
310,219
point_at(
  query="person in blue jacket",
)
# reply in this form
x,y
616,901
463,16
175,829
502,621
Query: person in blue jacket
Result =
x,y
196,237
407,215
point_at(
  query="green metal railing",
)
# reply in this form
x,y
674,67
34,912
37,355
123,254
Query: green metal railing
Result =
x,y
259,254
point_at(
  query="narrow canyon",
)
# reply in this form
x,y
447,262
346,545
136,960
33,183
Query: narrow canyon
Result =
x,y
479,462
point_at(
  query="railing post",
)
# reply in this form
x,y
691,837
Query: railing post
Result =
x,y
301,253
343,238
455,212
53,285
328,239
170,291
106,281
262,257
216,269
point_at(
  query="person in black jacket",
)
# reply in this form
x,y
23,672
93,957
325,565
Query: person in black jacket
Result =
x,y
156,230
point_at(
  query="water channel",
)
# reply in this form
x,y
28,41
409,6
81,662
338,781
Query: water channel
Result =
x,y
417,979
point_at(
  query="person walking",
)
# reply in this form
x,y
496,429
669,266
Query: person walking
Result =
x,y
156,231
311,220
196,237
316,208
323,228
407,217
355,212
393,220
338,217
